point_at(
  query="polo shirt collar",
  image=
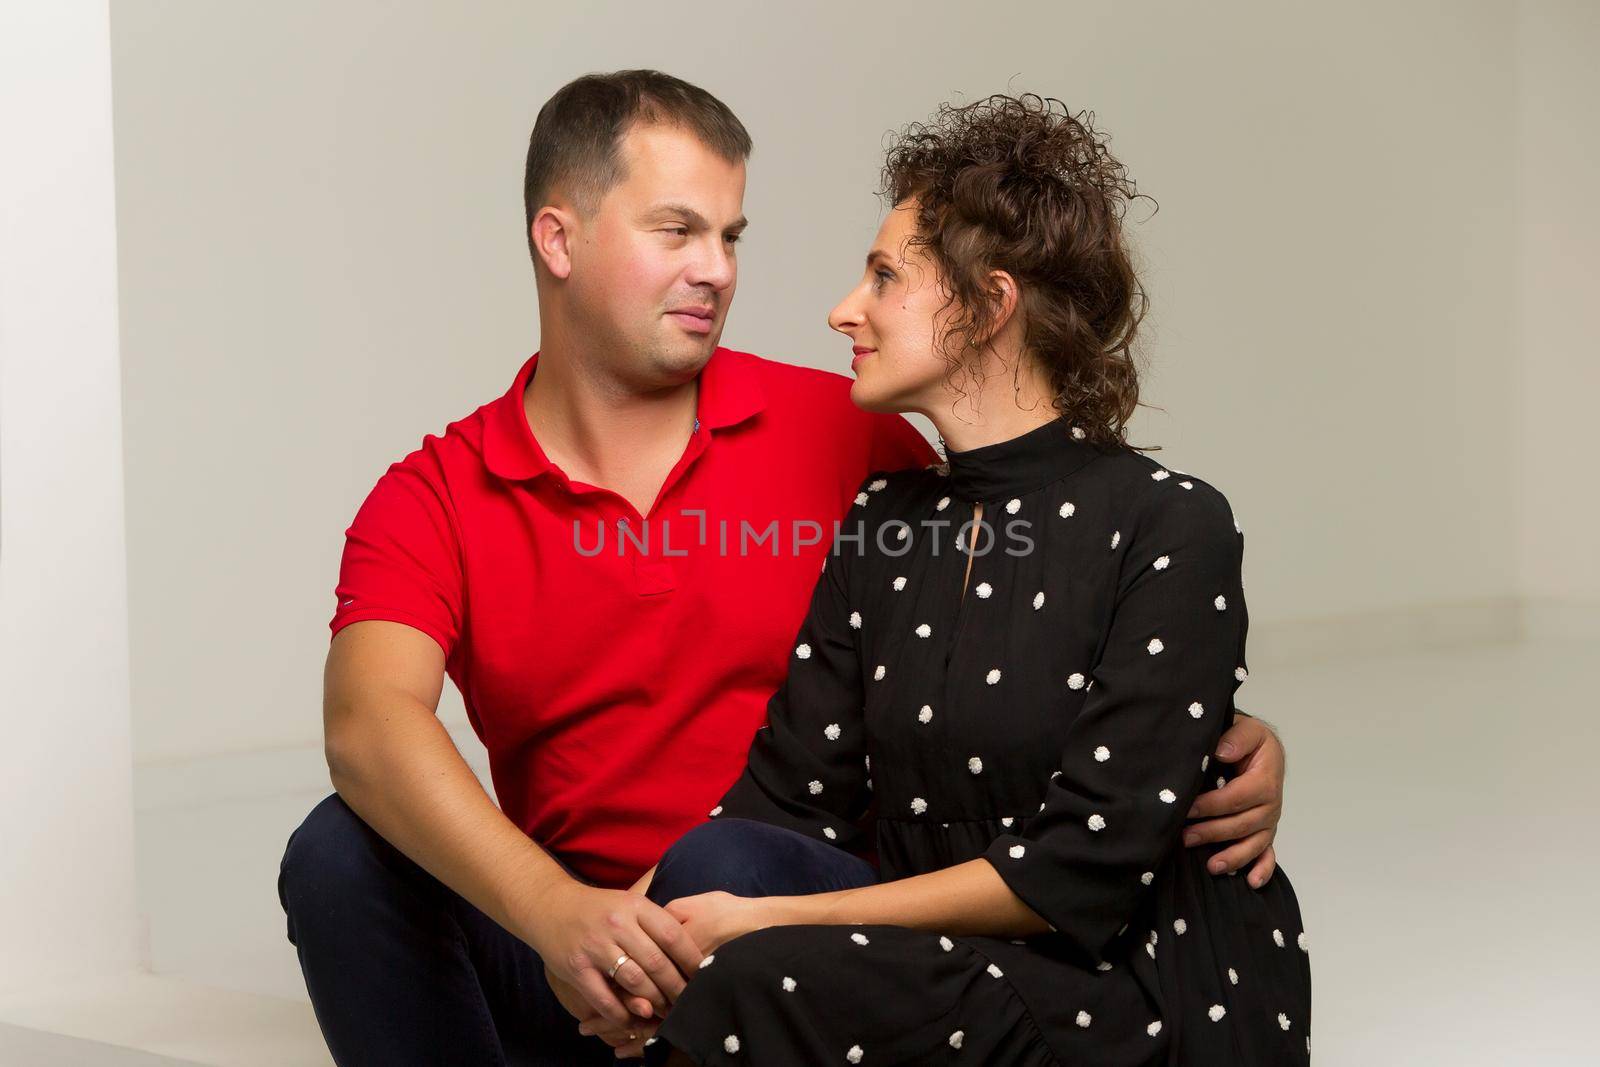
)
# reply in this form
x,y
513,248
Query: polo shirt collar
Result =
x,y
730,393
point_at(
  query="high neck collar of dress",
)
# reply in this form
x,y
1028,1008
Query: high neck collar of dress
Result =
x,y
1019,465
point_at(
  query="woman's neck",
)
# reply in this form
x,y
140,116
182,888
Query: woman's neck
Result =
x,y
994,404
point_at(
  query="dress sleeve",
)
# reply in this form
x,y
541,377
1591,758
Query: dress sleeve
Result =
x,y
1158,700
402,559
806,769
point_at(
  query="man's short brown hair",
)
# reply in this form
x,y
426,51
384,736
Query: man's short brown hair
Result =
x,y
575,139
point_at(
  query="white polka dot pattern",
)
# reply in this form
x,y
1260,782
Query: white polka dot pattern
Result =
x,y
1148,640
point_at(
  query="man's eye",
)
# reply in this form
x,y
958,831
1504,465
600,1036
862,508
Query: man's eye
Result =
x,y
734,238
678,231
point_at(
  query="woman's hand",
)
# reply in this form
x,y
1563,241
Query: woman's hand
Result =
x,y
1245,811
712,919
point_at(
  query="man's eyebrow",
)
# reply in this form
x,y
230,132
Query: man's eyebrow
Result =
x,y
694,217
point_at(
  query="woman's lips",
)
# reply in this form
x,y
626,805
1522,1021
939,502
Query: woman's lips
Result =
x,y
691,322
860,354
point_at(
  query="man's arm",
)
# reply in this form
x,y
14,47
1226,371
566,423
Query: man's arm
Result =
x,y
393,762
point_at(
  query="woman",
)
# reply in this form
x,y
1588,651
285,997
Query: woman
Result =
x,y
1019,719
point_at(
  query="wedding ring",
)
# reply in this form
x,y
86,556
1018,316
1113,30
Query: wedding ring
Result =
x,y
617,966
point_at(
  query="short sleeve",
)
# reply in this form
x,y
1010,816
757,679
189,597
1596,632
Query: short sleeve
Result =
x,y
1159,699
898,445
402,559
806,768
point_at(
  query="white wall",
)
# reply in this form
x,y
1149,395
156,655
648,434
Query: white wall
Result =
x,y
322,260
66,823
1558,321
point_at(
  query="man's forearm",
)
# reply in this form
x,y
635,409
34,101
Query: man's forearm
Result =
x,y
399,770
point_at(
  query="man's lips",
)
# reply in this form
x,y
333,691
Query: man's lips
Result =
x,y
693,319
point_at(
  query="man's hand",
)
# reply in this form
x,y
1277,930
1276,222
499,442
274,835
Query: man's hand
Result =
x,y
709,919
1245,811
627,1039
589,928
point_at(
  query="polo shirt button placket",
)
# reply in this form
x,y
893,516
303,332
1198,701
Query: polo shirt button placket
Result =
x,y
652,574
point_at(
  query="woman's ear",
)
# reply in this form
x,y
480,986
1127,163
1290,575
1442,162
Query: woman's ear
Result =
x,y
552,232
1004,289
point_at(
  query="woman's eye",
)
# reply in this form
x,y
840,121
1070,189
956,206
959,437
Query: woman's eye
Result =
x,y
881,278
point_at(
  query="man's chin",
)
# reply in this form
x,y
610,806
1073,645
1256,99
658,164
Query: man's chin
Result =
x,y
684,356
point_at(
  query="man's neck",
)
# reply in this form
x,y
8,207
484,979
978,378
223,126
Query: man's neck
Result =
x,y
605,432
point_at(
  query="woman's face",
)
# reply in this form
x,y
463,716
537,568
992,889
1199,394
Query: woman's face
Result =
x,y
895,315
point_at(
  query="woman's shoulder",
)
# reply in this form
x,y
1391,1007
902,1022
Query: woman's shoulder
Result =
x,y
896,493
1162,499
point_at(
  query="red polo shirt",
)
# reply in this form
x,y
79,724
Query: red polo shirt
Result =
x,y
616,676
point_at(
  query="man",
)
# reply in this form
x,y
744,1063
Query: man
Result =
x,y
610,562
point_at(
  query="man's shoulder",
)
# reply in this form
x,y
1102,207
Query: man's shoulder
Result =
x,y
793,383
816,403
448,456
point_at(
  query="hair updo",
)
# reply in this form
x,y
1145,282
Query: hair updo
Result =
x,y
1021,185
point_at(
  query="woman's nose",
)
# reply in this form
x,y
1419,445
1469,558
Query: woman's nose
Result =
x,y
844,317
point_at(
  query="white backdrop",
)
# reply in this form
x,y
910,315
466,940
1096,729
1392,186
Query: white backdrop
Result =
x,y
322,260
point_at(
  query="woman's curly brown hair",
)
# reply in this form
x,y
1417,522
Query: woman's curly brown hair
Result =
x,y
1020,184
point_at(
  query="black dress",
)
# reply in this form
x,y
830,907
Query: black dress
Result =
x,y
1054,719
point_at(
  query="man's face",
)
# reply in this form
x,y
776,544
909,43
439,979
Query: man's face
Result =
x,y
654,270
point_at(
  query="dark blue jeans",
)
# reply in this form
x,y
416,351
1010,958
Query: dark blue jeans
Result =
x,y
402,970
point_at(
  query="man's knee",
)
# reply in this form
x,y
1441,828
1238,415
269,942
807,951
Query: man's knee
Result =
x,y
330,854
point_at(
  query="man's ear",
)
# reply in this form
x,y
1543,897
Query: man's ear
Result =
x,y
553,233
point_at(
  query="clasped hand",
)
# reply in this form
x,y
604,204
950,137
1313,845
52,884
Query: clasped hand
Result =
x,y
593,928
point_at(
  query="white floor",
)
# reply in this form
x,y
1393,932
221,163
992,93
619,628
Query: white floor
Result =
x,y
1437,834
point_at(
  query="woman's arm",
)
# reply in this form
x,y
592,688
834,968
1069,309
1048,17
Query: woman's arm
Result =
x,y
968,899
1134,760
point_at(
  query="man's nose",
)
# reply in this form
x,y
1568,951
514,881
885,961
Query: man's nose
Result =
x,y
714,267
